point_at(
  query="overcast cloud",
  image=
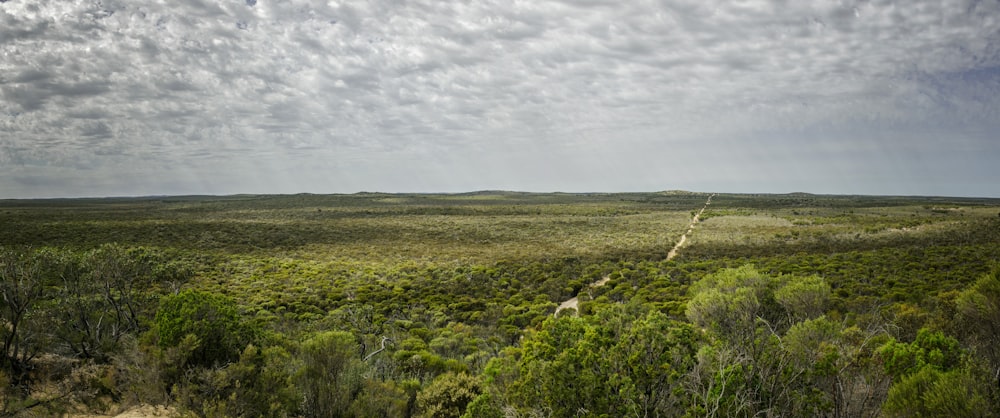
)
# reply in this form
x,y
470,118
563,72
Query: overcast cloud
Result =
x,y
102,98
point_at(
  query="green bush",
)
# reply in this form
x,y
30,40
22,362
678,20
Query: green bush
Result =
x,y
258,385
448,395
213,320
330,373
931,348
930,392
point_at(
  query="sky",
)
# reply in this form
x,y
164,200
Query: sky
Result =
x,y
171,97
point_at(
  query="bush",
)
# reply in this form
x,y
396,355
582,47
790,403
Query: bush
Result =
x,y
330,375
255,386
931,348
930,392
448,395
214,322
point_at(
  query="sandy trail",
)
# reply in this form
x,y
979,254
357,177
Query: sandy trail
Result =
x,y
141,411
574,302
690,229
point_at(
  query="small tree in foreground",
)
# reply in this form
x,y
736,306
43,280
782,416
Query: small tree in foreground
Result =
x,y
212,320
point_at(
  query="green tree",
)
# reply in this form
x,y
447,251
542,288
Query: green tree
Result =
x,y
838,375
213,321
22,287
385,399
258,385
655,353
930,392
330,374
567,367
105,295
448,395
733,302
931,348
933,376
978,319
755,366
804,297
484,406
621,361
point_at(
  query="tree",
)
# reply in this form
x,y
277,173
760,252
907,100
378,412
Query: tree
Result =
x,y
838,374
448,395
805,297
978,317
104,296
655,353
21,288
213,321
621,361
819,357
385,399
257,385
764,360
933,376
930,392
330,374
931,348
24,279
732,302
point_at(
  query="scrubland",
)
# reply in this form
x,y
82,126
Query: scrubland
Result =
x,y
442,305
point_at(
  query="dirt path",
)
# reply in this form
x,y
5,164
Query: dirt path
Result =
x,y
141,411
574,302
694,220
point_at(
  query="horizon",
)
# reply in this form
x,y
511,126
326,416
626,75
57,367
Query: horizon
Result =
x,y
497,191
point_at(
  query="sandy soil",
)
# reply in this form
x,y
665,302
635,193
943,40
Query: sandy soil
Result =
x,y
141,411
575,302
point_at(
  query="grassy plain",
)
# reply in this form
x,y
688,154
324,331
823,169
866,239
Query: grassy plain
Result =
x,y
373,228
282,242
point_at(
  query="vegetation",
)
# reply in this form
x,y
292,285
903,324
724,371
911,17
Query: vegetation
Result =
x,y
442,305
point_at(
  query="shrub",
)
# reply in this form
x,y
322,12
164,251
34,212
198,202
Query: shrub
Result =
x,y
448,395
213,320
330,374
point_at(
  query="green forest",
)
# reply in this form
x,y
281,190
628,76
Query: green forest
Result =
x,y
445,305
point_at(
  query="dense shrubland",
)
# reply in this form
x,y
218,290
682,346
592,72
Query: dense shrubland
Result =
x,y
442,305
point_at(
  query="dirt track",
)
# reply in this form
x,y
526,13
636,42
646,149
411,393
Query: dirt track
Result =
x,y
141,411
690,229
574,302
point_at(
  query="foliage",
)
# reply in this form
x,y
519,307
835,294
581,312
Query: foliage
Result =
x,y
804,298
448,395
930,392
384,399
257,385
978,319
330,373
209,323
931,349
368,304
623,361
22,284
768,356
103,296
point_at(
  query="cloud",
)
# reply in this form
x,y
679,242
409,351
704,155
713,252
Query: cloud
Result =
x,y
373,92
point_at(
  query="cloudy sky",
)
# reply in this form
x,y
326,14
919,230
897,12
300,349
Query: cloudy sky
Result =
x,y
112,98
